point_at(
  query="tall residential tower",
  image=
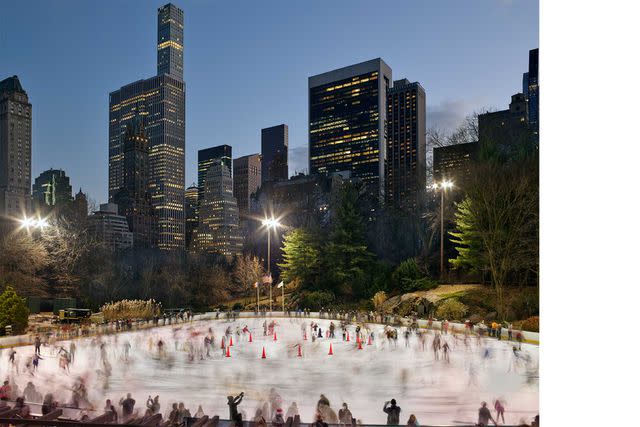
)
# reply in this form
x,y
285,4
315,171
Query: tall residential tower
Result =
x,y
246,181
159,102
218,231
406,168
15,149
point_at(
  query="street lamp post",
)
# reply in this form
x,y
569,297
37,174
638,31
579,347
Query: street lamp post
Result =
x,y
270,223
443,186
269,268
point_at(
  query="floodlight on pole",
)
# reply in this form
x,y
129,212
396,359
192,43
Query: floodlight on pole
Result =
x,y
442,186
270,223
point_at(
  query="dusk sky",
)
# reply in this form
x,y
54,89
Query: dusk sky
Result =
x,y
247,64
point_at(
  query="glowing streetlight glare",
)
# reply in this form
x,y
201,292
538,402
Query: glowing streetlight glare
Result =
x,y
444,184
33,222
270,222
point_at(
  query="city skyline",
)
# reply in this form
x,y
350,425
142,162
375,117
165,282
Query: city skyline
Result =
x,y
472,64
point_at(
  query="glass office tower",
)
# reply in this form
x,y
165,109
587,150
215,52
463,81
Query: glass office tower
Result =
x,y
347,122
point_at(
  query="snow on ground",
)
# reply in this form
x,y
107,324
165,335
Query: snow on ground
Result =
x,y
435,391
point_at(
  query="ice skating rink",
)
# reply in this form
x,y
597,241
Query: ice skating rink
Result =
x,y
435,391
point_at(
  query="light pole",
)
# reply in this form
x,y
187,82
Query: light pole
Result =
x,y
442,186
270,223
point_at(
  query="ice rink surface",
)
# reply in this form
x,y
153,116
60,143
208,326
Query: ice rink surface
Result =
x,y
435,391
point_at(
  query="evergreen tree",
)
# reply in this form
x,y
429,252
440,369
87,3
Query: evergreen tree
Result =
x,y
13,311
348,261
301,257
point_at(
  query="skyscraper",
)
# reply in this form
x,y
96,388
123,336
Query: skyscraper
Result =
x,y
406,168
275,152
531,90
191,216
159,102
170,41
246,181
218,231
133,198
206,158
51,189
15,149
347,122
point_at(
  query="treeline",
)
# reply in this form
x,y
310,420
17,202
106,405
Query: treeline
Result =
x,y
363,251
64,261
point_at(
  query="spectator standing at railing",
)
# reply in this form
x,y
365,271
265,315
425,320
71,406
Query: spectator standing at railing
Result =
x,y
292,411
233,403
110,409
344,415
127,406
174,415
392,411
199,413
153,404
48,404
413,421
319,422
278,419
5,390
22,408
183,413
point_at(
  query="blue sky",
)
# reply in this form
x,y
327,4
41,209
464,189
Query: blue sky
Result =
x,y
247,64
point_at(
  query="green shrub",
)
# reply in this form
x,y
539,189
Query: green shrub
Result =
x,y
237,306
317,299
13,311
409,277
451,309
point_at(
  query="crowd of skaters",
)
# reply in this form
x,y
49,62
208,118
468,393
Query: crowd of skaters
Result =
x,y
179,413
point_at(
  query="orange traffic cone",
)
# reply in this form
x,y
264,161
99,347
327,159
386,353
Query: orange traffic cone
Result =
x,y
348,337
369,342
358,339
359,345
222,343
228,352
264,354
330,349
275,336
299,350
250,337
231,341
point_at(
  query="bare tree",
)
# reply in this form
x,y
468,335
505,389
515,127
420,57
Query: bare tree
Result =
x,y
21,261
247,270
